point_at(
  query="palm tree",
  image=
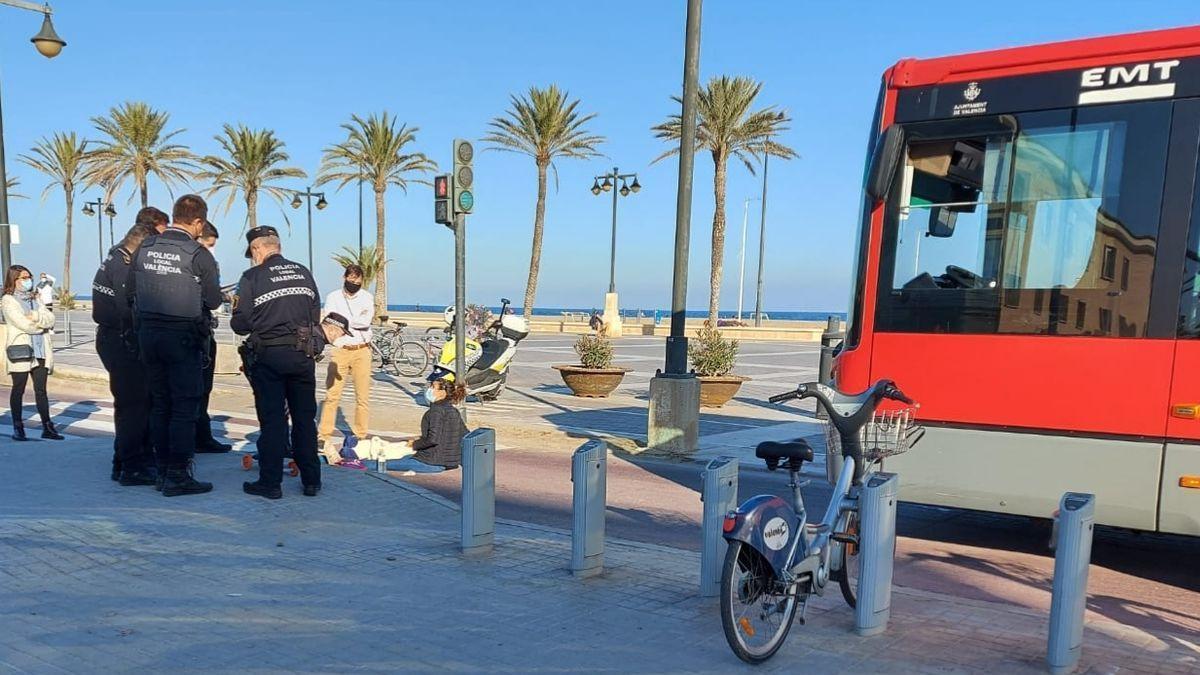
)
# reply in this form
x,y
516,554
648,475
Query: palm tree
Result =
x,y
137,147
11,184
63,157
545,125
252,165
376,151
726,127
370,259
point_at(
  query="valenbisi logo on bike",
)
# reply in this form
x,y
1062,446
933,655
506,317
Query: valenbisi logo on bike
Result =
x,y
775,534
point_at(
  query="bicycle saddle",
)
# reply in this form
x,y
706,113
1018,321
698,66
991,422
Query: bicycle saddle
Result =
x,y
773,452
399,324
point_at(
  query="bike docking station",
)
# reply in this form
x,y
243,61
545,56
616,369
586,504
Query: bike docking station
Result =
x,y
589,466
478,492
1075,525
876,552
719,497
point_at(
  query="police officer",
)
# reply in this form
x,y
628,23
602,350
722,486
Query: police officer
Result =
x,y
173,282
279,308
133,456
204,435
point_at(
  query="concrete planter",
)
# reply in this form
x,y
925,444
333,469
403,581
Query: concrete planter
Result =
x,y
591,382
716,390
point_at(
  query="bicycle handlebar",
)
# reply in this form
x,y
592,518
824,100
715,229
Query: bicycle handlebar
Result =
x,y
850,405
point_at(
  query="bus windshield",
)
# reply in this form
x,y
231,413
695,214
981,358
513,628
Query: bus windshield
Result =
x,y
1043,222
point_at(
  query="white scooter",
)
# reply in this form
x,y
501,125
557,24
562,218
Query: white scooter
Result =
x,y
487,359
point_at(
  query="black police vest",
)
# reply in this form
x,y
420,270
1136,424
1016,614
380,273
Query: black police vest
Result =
x,y
105,295
167,283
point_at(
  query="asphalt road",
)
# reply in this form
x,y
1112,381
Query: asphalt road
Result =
x,y
1145,580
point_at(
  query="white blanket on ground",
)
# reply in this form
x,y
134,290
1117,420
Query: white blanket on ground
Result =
x,y
369,450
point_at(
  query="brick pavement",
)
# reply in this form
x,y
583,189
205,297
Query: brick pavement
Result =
x,y
367,577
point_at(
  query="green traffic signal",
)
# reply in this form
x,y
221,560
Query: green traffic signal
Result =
x,y
466,201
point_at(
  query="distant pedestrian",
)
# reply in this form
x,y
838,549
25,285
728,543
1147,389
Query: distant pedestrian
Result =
x,y
173,281
28,353
205,442
351,359
279,309
596,323
45,290
442,429
117,346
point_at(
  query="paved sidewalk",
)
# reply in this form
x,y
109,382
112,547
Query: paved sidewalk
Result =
x,y
99,578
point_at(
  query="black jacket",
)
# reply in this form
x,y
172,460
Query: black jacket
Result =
x,y
275,298
442,431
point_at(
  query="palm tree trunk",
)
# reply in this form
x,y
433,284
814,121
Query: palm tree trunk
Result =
x,y
718,238
252,209
380,245
70,194
535,256
145,188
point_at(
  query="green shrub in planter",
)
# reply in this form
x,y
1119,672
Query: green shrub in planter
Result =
x,y
65,299
711,354
595,351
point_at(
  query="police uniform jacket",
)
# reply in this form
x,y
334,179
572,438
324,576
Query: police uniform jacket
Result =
x,y
173,281
275,299
110,298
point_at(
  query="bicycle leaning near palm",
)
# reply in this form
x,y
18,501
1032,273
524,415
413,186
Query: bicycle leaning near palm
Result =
x,y
776,559
396,353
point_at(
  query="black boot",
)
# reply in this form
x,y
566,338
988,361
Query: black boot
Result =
x,y
180,481
262,490
50,433
19,432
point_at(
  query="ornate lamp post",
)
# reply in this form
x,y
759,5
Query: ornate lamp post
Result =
x,y
612,309
308,195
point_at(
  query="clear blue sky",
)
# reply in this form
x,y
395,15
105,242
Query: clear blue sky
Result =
x,y
301,68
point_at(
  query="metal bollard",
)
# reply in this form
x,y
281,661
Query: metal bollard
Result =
x,y
876,552
1072,555
832,334
588,469
478,490
719,497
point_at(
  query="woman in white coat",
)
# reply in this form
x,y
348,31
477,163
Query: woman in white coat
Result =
x,y
28,353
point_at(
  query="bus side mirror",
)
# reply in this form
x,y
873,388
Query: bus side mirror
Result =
x,y
884,162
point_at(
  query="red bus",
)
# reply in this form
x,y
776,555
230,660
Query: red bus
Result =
x,y
1028,268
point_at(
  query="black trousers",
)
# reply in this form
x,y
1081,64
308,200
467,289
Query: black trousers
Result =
x,y
285,385
131,400
16,397
204,433
174,361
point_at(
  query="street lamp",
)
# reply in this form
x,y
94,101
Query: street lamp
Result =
x,y
742,257
101,209
48,44
308,195
612,310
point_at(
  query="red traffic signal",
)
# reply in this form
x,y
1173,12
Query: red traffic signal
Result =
x,y
441,187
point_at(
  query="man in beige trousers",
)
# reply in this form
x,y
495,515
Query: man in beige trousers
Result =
x,y
351,357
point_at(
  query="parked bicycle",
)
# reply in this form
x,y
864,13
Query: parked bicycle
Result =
x,y
385,354
777,560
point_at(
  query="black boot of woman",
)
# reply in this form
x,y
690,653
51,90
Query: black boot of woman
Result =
x,y
49,432
19,431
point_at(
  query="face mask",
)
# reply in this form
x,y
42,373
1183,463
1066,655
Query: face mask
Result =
x,y
429,396
351,287
27,285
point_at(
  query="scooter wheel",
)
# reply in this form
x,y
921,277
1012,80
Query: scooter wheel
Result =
x,y
247,462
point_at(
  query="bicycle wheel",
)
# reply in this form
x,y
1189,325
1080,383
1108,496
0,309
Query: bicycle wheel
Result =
x,y
847,556
378,358
756,612
410,358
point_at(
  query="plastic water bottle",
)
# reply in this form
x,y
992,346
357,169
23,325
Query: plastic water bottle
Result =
x,y
381,464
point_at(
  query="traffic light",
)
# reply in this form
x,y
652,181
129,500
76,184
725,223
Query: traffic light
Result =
x,y
463,183
441,200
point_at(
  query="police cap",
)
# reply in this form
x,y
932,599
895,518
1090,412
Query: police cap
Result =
x,y
335,319
260,231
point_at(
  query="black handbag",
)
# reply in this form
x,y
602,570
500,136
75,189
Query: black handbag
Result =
x,y
19,353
